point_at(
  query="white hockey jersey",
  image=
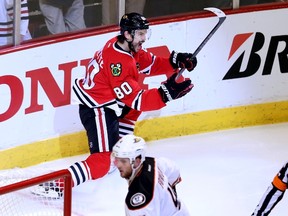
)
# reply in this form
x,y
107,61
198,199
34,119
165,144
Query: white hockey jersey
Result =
x,y
6,21
152,192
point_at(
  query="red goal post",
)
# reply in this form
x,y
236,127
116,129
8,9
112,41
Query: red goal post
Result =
x,y
8,203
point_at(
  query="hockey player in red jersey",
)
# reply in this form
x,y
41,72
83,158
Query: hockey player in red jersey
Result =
x,y
110,97
151,181
274,193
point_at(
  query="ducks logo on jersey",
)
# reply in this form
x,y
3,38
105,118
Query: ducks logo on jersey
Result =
x,y
137,199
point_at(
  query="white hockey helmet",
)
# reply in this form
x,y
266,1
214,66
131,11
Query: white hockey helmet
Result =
x,y
130,146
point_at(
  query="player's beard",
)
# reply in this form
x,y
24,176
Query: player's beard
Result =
x,y
125,175
136,47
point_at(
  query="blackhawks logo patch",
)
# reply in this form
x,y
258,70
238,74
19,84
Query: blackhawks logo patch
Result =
x,y
116,69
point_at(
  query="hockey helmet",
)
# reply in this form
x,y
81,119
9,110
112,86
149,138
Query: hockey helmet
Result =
x,y
130,146
133,21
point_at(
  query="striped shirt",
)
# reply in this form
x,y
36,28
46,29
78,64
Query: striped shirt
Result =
x,y
6,21
274,193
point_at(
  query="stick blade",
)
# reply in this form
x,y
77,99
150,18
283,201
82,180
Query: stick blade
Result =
x,y
216,11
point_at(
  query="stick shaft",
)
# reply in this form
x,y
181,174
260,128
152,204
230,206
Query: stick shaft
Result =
x,y
221,15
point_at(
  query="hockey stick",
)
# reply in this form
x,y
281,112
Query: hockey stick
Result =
x,y
222,16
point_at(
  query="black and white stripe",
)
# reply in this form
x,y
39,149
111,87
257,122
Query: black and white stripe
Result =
x,y
86,99
125,128
136,104
269,200
80,173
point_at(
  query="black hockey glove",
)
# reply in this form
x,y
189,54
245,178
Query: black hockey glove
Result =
x,y
125,111
183,60
170,90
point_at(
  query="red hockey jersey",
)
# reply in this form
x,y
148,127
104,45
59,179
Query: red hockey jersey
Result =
x,y
113,74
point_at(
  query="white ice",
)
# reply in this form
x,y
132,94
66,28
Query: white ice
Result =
x,y
224,173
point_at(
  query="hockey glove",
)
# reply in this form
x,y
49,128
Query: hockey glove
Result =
x,y
183,60
170,90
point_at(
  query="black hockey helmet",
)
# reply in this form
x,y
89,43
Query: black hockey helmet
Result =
x,y
133,21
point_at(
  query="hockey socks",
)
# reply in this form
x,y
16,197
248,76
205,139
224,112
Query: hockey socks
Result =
x,y
95,166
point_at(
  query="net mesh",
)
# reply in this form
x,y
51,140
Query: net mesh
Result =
x,y
45,198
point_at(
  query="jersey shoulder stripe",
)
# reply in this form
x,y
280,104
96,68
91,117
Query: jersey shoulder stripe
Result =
x,y
87,100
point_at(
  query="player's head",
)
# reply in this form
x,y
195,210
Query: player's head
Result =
x,y
133,21
129,154
134,28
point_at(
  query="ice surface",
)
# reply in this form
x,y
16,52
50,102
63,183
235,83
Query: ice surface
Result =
x,y
223,173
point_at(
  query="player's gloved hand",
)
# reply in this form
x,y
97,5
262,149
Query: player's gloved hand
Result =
x,y
183,60
170,90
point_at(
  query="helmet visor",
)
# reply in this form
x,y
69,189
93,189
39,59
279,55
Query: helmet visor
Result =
x,y
142,34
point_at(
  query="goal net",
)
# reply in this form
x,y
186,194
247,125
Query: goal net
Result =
x,y
25,193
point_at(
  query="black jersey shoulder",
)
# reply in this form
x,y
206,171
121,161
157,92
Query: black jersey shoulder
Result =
x,y
141,190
